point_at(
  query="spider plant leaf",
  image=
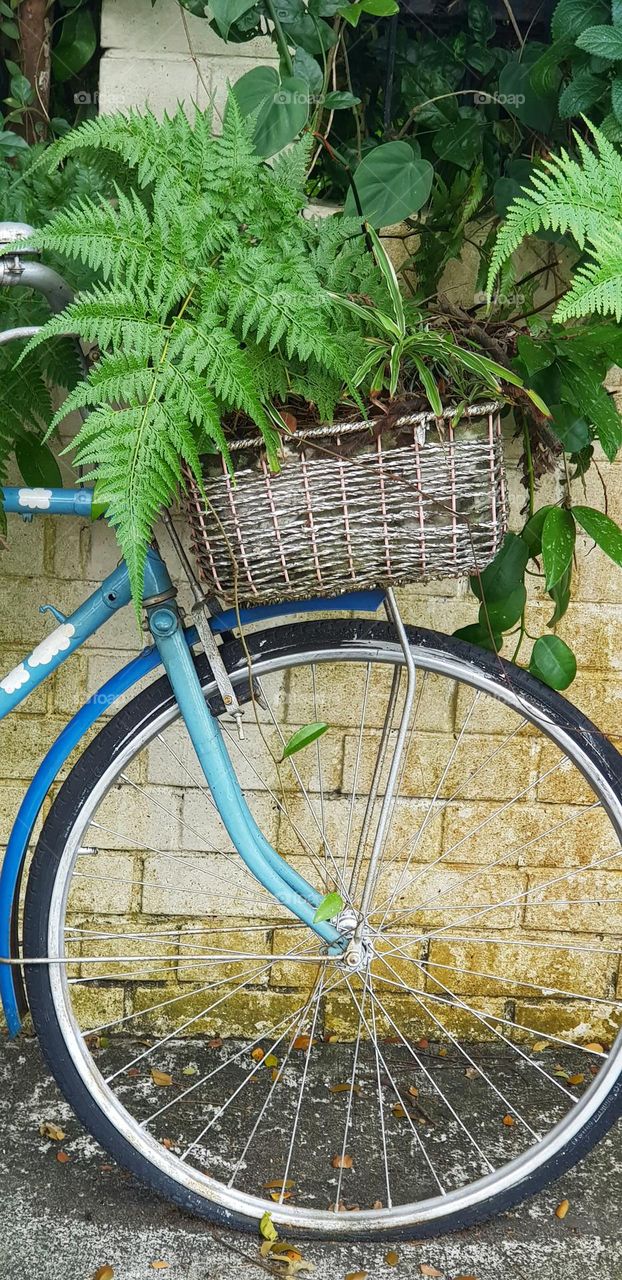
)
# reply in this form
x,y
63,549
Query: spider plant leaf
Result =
x,y
429,385
388,271
376,356
371,315
395,364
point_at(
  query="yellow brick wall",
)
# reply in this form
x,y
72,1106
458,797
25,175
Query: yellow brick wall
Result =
x,y
60,561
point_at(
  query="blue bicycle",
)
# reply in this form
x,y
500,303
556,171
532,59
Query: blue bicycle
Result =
x,y
352,985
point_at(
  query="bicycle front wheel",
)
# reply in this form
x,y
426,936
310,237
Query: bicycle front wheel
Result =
x,y
210,1043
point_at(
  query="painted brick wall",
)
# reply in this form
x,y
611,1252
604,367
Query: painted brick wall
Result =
x,y
148,60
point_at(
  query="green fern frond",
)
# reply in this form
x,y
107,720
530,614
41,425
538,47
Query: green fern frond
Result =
x,y
580,197
212,301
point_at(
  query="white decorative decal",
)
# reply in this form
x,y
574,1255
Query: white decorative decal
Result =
x,y
15,679
54,643
34,499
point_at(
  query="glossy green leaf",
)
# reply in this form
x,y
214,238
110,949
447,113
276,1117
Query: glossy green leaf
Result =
x,y
500,615
329,907
534,355
37,463
479,635
532,532
77,44
553,662
11,144
302,737
505,573
558,539
226,12
308,69
522,100
21,89
282,107
392,184
560,595
339,99
572,430
582,387
460,142
605,532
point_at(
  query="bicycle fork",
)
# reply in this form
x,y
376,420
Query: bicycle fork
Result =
x,y
267,866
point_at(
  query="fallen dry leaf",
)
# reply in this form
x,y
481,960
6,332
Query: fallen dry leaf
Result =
x,y
342,1162
595,1046
427,1269
134,1072
270,1060
465,1277
301,1042
345,1088
330,1037
413,1091
562,1209
52,1131
159,1265
392,1258
161,1078
290,421
190,1070
215,1042
104,1273
168,1143
357,1275
423,1043
258,1054
471,1073
576,1079
63,1157
276,1184
509,1121
442,1053
377,1204
539,1046
399,1111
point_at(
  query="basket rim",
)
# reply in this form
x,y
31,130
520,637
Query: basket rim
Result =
x,y
423,418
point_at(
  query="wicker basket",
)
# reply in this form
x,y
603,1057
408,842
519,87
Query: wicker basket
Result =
x,y
434,505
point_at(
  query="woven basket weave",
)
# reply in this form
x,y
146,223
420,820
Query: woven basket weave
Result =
x,y
333,519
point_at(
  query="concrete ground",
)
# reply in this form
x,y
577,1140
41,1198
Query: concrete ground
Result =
x,y
65,1221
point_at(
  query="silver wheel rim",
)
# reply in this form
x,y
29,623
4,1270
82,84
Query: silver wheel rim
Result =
x,y
317,1221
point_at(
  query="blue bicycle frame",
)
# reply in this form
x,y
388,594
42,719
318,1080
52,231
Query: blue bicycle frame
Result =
x,y
172,648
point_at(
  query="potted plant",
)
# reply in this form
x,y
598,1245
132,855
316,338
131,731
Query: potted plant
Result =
x,y
216,305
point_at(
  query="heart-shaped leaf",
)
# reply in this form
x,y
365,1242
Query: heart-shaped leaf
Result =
x,y
281,107
392,184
